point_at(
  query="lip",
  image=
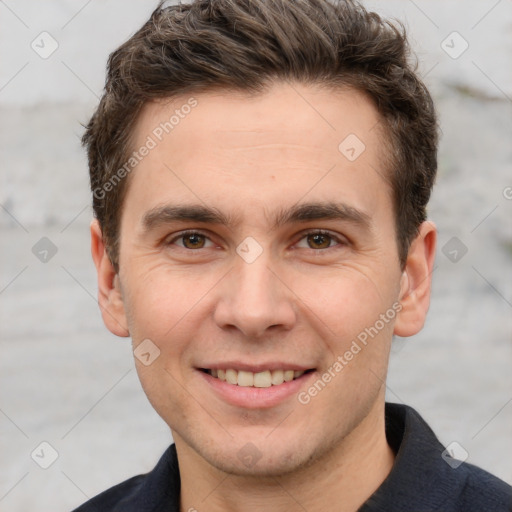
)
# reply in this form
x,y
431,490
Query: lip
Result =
x,y
251,397
254,368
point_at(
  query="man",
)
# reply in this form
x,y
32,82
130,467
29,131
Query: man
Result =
x,y
260,172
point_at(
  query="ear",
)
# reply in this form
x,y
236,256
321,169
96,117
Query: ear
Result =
x,y
416,282
109,292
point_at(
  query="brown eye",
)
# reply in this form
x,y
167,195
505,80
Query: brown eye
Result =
x,y
319,241
193,241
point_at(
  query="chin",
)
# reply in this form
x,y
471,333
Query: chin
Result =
x,y
276,465
260,456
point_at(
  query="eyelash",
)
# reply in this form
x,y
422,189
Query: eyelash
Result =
x,y
334,238
339,241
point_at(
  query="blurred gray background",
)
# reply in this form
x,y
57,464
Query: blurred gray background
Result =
x,y
66,381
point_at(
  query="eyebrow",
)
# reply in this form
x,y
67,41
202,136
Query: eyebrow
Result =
x,y
193,213
303,212
322,211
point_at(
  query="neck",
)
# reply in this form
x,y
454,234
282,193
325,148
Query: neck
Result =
x,y
342,480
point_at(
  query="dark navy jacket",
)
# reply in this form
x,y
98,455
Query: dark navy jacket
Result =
x,y
421,480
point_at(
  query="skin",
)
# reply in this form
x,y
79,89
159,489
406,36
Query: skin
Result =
x,y
300,301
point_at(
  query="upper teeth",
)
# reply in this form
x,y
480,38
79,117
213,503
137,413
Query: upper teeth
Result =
x,y
259,380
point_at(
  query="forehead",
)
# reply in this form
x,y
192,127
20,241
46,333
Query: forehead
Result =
x,y
308,114
291,141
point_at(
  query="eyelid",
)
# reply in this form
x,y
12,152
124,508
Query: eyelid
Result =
x,y
340,239
171,239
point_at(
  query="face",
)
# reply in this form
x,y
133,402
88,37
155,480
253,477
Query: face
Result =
x,y
258,245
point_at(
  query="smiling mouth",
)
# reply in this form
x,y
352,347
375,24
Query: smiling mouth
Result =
x,y
264,379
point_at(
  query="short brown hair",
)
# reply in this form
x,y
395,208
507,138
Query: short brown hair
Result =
x,y
245,45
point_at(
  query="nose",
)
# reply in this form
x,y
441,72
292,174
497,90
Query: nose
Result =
x,y
255,300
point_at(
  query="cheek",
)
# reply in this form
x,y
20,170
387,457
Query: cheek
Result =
x,y
161,297
170,307
164,309
357,314
348,300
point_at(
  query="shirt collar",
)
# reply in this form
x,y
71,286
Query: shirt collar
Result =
x,y
420,477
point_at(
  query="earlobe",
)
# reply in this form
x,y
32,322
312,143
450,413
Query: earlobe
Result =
x,y
110,298
416,282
